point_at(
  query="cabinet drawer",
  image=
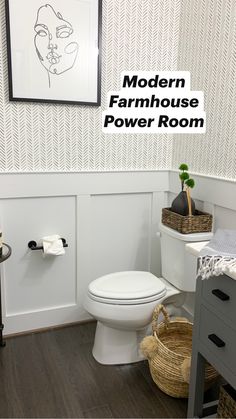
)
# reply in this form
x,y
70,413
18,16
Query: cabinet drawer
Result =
x,y
219,338
220,291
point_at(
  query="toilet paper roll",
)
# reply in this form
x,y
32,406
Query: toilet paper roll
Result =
x,y
52,245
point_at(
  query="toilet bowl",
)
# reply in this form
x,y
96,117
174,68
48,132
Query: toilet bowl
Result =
x,y
123,302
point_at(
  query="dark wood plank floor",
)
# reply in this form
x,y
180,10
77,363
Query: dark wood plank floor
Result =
x,y
54,375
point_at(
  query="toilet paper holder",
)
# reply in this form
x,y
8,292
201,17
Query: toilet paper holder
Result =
x,y
33,244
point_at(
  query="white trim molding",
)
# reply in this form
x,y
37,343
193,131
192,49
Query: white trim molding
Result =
x,y
110,221
210,189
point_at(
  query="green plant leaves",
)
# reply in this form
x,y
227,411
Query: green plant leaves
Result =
x,y
190,183
184,177
183,166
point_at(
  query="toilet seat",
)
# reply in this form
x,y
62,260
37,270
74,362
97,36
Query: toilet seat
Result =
x,y
127,288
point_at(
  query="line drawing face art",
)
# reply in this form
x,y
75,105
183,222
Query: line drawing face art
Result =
x,y
54,41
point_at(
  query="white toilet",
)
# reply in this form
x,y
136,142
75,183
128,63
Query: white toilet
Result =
x,y
123,302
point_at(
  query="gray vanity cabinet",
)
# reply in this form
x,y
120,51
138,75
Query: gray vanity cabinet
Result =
x,y
214,337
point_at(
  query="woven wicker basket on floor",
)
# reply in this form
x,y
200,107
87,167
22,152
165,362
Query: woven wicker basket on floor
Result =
x,y
187,224
227,402
174,346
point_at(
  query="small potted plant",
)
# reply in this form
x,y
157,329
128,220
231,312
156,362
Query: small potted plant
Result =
x,y
183,204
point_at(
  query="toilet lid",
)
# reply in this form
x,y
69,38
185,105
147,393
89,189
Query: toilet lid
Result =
x,y
132,287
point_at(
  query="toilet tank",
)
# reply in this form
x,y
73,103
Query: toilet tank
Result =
x,y
179,265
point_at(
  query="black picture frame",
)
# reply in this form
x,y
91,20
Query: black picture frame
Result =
x,y
48,12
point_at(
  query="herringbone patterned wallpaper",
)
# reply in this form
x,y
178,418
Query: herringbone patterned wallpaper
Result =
x,y
208,49
137,35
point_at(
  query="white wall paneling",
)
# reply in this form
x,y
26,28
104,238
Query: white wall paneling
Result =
x,y
209,189
159,201
213,195
73,184
225,218
41,282
120,229
34,284
114,234
109,221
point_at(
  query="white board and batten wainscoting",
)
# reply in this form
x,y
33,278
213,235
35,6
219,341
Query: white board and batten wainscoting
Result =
x,y
110,222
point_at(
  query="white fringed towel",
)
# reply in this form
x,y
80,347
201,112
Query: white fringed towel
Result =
x,y
52,245
219,255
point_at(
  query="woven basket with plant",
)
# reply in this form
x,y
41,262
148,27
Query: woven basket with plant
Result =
x,y
182,215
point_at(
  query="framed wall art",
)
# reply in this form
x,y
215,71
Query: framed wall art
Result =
x,y
54,50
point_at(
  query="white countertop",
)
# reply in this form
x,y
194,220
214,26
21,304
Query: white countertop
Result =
x,y
231,274
195,248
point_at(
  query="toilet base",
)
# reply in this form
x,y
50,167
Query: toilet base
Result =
x,y
114,346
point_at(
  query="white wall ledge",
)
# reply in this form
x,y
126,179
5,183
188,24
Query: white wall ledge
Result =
x,y
68,184
221,192
208,188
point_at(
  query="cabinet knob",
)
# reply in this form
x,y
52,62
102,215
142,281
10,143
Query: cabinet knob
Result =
x,y
216,340
220,294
